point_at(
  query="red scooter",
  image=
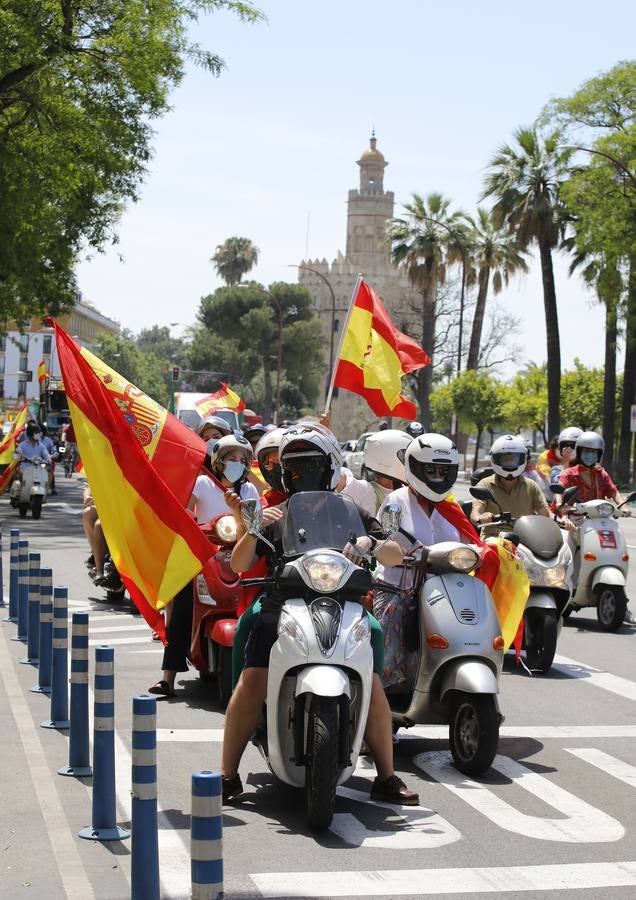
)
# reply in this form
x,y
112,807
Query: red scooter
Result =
x,y
219,600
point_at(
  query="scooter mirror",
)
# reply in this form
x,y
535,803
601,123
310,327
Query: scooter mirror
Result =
x,y
630,497
252,516
569,494
391,519
557,488
481,493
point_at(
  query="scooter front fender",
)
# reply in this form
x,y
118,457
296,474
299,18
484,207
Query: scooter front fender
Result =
x,y
38,491
222,631
323,681
540,600
470,676
608,575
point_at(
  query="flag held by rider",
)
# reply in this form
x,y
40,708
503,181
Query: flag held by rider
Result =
x,y
373,356
224,398
154,542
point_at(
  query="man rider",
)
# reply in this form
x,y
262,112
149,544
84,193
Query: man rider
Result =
x,y
32,447
513,492
310,460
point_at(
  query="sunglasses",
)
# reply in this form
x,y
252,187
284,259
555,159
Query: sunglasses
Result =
x,y
433,469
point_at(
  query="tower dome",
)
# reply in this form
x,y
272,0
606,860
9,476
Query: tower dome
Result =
x,y
372,165
372,153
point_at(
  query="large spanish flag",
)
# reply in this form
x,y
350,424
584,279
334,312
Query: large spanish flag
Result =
x,y
374,356
224,398
153,540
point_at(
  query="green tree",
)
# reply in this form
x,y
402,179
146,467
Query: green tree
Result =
x,y
526,401
495,256
442,408
582,397
478,403
234,258
525,182
423,243
81,83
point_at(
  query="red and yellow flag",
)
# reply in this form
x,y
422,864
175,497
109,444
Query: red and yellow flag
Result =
x,y
224,398
43,372
8,447
153,540
374,356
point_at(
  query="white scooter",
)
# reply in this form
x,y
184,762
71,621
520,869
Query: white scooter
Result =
x,y
321,667
28,489
601,560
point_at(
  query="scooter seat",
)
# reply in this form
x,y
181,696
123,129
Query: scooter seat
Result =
x,y
540,535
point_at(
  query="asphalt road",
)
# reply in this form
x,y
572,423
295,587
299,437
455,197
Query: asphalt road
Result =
x,y
555,817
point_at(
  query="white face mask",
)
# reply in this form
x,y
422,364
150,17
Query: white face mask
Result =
x,y
589,457
233,471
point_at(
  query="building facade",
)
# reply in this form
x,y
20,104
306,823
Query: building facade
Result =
x,y
21,352
369,207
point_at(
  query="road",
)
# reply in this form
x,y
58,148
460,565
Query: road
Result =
x,y
555,816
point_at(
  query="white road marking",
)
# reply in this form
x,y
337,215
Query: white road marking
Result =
x,y
581,822
606,763
98,642
107,629
432,882
190,735
595,677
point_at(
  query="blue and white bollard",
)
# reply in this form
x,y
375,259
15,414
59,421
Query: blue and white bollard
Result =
x,y
33,614
46,633
23,590
206,826
104,825
13,576
59,662
78,748
144,871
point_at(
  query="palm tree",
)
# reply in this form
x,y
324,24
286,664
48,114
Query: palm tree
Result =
x,y
525,181
423,243
234,258
495,255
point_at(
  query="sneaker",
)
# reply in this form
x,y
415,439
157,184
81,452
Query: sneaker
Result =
x,y
232,787
90,562
629,618
393,790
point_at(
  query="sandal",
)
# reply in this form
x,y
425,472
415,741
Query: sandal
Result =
x,y
163,689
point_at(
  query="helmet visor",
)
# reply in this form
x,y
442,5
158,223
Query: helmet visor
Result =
x,y
439,477
510,460
305,471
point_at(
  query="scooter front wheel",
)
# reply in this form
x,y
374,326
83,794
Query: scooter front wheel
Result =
x,y
321,767
36,507
611,604
474,732
541,638
23,508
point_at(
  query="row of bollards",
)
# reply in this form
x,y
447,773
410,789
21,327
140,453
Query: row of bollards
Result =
x,y
41,615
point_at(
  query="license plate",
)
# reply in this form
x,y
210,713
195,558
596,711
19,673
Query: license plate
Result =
x,y
607,539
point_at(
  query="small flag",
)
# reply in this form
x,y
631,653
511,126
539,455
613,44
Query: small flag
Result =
x,y
224,398
374,356
43,372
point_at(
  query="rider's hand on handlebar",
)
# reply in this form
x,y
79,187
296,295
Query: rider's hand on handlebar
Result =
x,y
566,523
271,514
358,551
485,518
233,501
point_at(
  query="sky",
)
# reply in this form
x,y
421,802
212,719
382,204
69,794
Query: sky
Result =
x,y
271,144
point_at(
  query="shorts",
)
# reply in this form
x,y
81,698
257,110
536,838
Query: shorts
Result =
x,y
264,635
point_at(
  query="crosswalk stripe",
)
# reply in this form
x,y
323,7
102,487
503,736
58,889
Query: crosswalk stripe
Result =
x,y
116,642
615,684
108,629
432,882
614,767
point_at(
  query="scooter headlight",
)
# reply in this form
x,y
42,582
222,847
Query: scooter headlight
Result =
x,y
203,593
225,529
605,510
325,571
359,634
288,625
463,559
554,575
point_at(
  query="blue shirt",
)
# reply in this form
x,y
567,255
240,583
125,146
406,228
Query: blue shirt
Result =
x,y
29,450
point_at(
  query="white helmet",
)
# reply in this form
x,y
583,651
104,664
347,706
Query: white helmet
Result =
x,y
431,462
270,441
310,458
218,448
592,442
569,436
381,454
508,456
415,429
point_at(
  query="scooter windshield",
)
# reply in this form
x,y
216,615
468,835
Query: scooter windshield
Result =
x,y
320,520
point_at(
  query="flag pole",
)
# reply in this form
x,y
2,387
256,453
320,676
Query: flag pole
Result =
x,y
354,294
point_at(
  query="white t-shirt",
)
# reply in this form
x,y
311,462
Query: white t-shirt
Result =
x,y
211,499
360,491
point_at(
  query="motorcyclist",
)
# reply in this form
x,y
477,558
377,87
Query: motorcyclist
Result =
x,y
385,470
49,443
32,447
516,494
414,429
214,427
431,463
254,433
311,461
566,451
548,458
266,455
228,460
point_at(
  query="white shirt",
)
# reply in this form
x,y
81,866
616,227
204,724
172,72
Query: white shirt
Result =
x,y
360,491
211,499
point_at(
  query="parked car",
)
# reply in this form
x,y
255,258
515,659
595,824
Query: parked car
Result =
x,y
354,460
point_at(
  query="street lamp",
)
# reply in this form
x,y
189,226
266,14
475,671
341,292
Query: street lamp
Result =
x,y
333,315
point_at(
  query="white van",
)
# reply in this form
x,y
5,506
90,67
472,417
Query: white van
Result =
x,y
185,410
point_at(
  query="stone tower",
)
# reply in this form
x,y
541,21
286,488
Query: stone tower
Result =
x,y
369,208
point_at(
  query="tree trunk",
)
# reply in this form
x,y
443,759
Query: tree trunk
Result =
x,y
609,384
478,318
629,378
425,375
476,457
552,339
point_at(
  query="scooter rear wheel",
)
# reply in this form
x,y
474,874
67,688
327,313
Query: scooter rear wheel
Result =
x,y
611,604
474,732
321,767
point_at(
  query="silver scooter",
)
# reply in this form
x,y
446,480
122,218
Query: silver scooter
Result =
x,y
28,489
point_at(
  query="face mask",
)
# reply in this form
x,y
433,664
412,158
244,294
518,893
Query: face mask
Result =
x,y
589,457
233,471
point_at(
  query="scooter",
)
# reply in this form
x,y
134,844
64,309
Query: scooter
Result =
x,y
601,560
461,652
548,562
321,667
28,489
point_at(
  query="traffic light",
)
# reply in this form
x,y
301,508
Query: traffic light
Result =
x,y
175,373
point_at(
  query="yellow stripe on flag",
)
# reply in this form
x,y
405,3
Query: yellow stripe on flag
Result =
x,y
365,348
510,590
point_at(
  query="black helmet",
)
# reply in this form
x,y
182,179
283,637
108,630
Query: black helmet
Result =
x,y
32,428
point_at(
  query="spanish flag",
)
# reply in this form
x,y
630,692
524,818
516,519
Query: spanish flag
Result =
x,y
224,398
43,373
153,540
374,356
8,447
